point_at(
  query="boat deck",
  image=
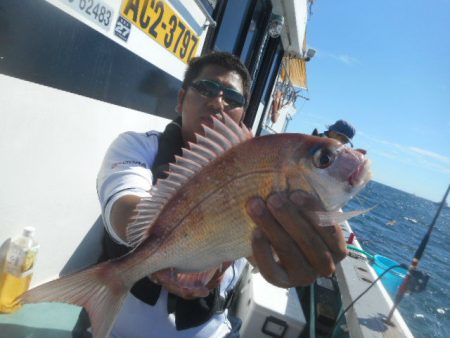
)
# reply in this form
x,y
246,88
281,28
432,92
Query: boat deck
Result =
x,y
45,320
366,318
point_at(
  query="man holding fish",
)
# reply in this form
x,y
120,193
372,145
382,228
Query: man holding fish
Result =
x,y
224,197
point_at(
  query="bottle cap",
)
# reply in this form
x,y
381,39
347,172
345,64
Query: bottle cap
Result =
x,y
28,231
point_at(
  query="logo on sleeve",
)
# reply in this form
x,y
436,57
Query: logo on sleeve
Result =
x,y
128,164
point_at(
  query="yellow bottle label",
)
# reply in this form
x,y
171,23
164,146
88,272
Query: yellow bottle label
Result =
x,y
28,263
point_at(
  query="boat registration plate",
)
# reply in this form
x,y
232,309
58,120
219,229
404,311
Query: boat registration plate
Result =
x,y
96,11
159,21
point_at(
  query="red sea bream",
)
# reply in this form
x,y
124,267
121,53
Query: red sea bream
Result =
x,y
196,218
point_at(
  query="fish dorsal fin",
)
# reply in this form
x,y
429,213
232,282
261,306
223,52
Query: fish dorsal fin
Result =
x,y
219,137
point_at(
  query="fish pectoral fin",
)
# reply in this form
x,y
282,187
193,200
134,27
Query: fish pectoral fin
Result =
x,y
330,218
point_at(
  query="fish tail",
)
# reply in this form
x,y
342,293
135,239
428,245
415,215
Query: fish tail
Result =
x,y
98,290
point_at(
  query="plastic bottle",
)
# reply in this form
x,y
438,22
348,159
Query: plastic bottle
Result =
x,y
18,269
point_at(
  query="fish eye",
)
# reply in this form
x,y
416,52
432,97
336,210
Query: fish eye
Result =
x,y
323,158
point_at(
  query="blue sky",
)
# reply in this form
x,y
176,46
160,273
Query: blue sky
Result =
x,y
385,67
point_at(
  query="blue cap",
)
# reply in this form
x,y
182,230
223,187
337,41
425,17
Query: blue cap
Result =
x,y
343,128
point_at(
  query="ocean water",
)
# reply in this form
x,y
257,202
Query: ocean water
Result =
x,y
395,228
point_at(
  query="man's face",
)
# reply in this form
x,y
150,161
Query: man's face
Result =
x,y
196,108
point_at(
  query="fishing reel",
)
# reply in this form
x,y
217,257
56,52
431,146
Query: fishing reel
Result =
x,y
418,281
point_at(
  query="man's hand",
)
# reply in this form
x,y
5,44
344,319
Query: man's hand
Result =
x,y
303,250
172,281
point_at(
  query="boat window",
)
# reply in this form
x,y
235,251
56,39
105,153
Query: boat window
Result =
x,y
230,30
274,69
255,32
264,80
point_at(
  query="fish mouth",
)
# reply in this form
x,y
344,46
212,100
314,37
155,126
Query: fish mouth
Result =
x,y
360,175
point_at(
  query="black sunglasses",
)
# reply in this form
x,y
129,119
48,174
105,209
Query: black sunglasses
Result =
x,y
212,89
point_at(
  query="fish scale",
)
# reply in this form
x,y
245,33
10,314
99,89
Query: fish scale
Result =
x,y
222,207
196,218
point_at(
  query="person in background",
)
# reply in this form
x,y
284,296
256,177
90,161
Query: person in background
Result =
x,y
341,131
160,305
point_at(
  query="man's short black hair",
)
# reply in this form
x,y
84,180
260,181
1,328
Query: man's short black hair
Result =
x,y
223,59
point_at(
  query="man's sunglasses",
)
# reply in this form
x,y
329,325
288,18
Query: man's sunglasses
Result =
x,y
211,89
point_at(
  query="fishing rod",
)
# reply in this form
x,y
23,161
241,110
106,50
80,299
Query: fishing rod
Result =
x,y
415,262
